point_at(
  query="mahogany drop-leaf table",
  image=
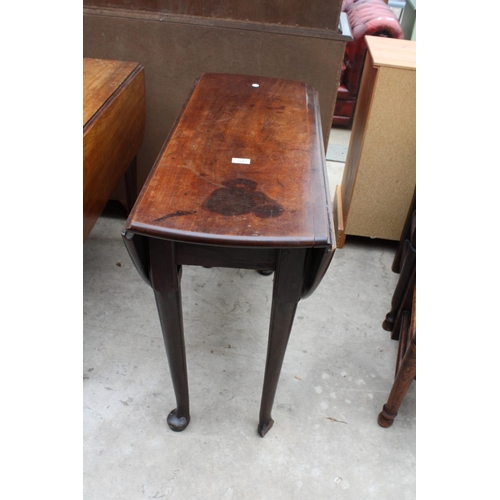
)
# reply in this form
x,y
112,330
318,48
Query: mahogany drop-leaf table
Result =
x,y
240,182
114,120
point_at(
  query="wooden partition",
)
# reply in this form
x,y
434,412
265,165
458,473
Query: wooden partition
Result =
x,y
323,14
176,41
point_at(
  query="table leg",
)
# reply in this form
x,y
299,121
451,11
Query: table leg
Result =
x,y
287,289
166,283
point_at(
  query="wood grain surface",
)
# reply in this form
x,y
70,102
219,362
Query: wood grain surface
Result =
x,y
101,79
394,54
113,128
243,166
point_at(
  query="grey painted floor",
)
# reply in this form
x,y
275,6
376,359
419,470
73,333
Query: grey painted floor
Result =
x,y
337,374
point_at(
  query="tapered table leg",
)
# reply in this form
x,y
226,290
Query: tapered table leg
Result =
x,y
165,280
287,289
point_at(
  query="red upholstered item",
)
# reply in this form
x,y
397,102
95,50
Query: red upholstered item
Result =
x,y
366,17
344,110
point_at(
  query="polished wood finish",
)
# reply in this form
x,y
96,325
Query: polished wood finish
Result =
x,y
113,128
287,292
380,170
404,263
166,283
406,368
401,319
235,165
407,233
101,79
268,210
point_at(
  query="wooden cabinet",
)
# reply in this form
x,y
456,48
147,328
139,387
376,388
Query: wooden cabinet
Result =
x,y
380,169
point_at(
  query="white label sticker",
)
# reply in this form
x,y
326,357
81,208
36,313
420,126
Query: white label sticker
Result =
x,y
243,161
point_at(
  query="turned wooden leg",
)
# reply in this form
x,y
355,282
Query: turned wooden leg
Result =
x,y
404,377
165,280
406,234
287,289
131,184
406,281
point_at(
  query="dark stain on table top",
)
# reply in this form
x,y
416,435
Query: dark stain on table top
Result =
x,y
243,165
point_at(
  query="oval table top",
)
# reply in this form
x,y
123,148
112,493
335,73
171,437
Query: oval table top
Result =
x,y
243,166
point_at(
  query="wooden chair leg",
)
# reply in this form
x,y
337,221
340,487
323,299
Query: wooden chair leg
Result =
x,y
165,280
404,320
405,264
405,234
404,378
405,281
406,371
287,290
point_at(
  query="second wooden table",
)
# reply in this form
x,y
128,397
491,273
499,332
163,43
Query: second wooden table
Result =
x,y
114,117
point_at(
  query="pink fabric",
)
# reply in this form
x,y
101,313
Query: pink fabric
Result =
x,y
366,17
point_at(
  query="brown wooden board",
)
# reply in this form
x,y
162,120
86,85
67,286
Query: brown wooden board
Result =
x,y
244,166
310,13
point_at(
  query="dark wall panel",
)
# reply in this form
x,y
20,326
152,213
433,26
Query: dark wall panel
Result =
x,y
322,14
175,54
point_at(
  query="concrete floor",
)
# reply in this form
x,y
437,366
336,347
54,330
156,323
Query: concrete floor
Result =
x,y
337,374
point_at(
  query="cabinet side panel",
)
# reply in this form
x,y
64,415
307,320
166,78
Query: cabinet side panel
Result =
x,y
358,133
387,163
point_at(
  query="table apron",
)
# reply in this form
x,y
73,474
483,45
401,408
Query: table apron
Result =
x,y
262,259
